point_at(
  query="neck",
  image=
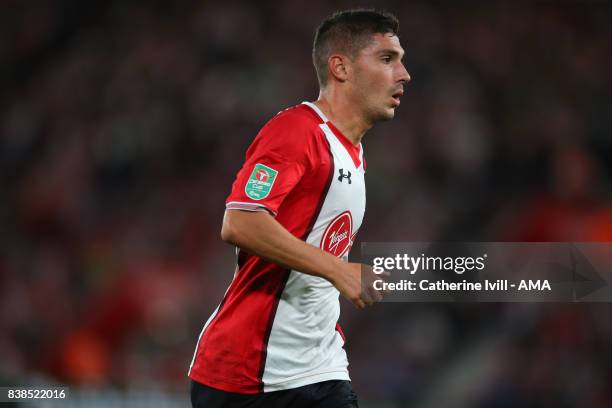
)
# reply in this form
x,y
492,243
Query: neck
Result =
x,y
341,112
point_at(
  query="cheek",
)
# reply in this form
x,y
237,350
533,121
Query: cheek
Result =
x,y
375,84
372,85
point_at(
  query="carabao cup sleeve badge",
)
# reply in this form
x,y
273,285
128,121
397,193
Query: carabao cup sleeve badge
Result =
x,y
260,182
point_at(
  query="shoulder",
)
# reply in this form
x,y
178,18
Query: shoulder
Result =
x,y
293,132
296,119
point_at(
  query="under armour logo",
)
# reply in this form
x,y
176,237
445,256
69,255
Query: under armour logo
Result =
x,y
343,176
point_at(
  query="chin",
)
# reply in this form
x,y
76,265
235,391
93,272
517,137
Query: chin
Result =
x,y
387,114
381,115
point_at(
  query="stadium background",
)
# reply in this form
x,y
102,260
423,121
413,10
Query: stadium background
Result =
x,y
122,125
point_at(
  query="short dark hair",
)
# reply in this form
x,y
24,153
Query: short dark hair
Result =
x,y
348,32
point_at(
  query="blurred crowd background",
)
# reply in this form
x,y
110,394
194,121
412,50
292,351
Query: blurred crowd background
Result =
x,y
122,125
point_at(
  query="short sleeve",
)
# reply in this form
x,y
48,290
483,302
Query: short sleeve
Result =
x,y
275,163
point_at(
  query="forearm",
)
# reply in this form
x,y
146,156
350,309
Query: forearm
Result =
x,y
260,234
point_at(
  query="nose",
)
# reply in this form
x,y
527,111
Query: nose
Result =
x,y
404,76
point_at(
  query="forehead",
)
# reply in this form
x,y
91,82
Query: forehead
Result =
x,y
383,42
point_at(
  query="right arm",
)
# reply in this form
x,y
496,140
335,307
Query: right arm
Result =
x,y
257,232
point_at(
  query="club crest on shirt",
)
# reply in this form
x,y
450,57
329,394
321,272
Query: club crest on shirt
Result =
x,y
260,182
337,238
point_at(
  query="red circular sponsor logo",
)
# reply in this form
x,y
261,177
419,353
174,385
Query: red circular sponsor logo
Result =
x,y
338,234
262,175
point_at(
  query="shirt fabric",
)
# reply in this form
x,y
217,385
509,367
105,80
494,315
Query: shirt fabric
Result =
x,y
276,328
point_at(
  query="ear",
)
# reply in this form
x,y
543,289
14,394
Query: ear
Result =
x,y
338,67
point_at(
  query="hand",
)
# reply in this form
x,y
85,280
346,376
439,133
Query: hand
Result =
x,y
349,284
369,294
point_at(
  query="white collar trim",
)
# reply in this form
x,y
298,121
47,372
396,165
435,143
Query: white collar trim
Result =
x,y
316,109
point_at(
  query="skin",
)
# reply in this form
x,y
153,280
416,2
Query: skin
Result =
x,y
259,233
359,92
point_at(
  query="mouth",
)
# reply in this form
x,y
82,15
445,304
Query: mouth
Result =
x,y
396,97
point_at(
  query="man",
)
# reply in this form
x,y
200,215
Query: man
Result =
x,y
293,212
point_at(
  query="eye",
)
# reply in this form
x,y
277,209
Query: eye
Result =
x,y
386,59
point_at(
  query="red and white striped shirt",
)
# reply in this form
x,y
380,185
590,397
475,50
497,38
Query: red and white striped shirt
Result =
x,y
276,328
